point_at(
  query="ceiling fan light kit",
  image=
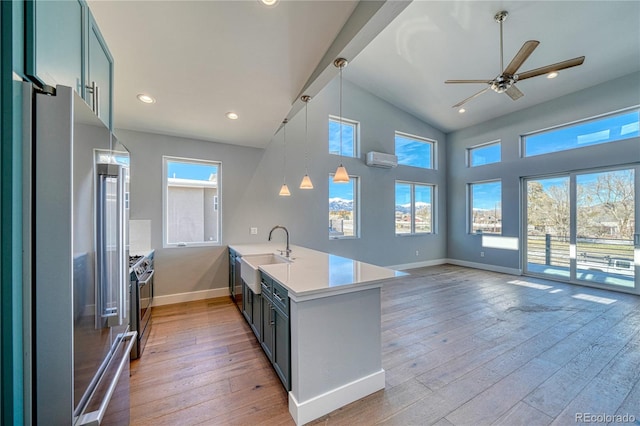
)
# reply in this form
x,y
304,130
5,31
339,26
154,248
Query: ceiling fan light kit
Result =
x,y
505,82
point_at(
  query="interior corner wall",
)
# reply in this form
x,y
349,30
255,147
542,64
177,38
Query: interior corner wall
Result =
x,y
182,270
306,212
601,99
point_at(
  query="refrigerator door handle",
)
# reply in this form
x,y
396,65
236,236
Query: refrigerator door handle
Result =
x,y
94,418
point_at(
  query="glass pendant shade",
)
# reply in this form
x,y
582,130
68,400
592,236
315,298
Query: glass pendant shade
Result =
x,y
306,182
341,175
284,191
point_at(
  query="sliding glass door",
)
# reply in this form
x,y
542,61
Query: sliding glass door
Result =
x,y
581,227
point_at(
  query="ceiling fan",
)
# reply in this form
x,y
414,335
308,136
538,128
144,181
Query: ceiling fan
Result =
x,y
505,82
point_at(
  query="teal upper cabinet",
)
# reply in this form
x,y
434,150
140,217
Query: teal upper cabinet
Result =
x,y
64,46
55,42
99,74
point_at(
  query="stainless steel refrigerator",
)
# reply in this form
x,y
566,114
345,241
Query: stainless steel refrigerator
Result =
x,y
78,175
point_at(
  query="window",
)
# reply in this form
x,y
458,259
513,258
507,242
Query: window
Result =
x,y
191,202
486,207
349,137
592,132
485,154
415,151
414,208
343,208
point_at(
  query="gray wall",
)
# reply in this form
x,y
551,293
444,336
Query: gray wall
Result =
x,y
251,179
187,269
608,97
306,212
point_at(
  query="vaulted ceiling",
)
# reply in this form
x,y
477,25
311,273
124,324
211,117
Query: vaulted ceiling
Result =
x,y
201,59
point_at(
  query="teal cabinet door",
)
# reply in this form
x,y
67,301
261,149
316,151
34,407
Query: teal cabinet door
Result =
x,y
99,82
54,42
281,347
266,338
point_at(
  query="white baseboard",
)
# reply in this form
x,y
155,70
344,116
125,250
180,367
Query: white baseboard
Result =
x,y
304,412
486,267
170,299
413,265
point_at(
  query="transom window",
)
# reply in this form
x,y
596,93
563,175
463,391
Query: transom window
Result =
x,y
343,208
596,131
487,153
485,212
191,199
349,137
414,208
415,151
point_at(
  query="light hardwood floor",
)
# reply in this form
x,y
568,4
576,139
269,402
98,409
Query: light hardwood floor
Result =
x,y
460,347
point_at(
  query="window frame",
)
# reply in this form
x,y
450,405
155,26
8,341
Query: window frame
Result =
x,y
432,143
469,152
576,123
356,135
166,159
470,206
356,209
413,208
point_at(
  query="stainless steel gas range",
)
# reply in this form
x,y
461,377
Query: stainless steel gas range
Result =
x,y
141,272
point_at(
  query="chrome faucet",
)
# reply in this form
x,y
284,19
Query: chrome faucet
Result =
x,y
288,250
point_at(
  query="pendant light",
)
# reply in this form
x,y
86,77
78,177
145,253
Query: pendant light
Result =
x,y
341,175
284,190
306,180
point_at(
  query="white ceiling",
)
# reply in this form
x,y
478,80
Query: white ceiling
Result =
x,y
201,59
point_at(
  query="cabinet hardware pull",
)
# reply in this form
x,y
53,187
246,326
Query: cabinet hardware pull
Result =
x,y
271,320
280,299
95,97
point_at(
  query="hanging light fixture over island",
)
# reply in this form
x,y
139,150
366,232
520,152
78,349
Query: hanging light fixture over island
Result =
x,y
341,175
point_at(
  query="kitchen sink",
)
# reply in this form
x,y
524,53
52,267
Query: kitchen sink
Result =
x,y
249,268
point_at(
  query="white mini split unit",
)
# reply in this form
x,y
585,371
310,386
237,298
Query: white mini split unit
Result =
x,y
380,159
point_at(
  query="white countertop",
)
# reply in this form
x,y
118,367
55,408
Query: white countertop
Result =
x,y
313,274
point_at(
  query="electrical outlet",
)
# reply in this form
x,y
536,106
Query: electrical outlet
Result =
x,y
254,231
417,253
481,254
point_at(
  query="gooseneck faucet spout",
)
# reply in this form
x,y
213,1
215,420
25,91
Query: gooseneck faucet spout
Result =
x,y
288,250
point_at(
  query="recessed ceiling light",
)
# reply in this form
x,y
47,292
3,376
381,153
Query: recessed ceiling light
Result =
x,y
553,74
147,99
268,3
462,110
232,115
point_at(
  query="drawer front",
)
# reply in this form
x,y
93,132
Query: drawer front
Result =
x,y
267,285
281,297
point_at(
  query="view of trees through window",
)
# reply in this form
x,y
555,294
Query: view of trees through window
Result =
x,y
486,207
414,208
604,229
343,209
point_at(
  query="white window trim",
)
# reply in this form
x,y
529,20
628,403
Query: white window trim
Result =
x,y
483,145
470,206
356,208
356,142
432,142
167,158
413,233
523,136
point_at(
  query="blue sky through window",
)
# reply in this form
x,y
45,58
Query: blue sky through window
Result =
x,y
348,138
341,190
414,152
485,154
486,195
184,170
594,132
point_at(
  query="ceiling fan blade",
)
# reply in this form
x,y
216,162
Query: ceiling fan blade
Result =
x,y
514,93
553,67
470,97
527,49
468,81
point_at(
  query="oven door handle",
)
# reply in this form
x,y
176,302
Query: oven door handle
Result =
x,y
146,280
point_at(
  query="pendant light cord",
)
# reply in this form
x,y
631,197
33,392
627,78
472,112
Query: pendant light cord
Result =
x,y
284,152
341,66
306,125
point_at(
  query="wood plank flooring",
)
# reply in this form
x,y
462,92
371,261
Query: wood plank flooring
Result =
x,y
460,347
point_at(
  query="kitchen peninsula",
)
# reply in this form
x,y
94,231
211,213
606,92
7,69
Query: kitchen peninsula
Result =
x,y
333,309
